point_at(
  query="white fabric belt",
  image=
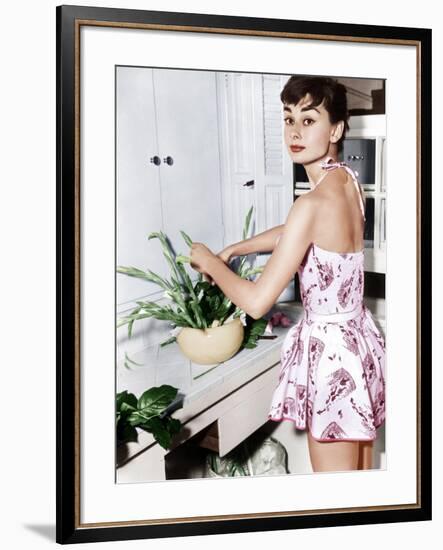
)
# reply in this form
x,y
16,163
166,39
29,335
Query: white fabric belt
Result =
x,y
334,317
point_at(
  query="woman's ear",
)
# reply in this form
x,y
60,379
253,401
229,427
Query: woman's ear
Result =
x,y
337,131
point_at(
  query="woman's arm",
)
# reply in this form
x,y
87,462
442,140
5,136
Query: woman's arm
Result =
x,y
257,297
263,242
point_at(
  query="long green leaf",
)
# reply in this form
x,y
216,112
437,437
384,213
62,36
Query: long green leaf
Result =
x,y
186,238
132,361
183,259
167,251
168,341
247,222
146,275
179,270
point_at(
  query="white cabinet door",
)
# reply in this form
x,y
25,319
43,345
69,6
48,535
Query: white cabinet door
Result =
x,y
165,113
256,168
273,166
236,108
187,129
138,198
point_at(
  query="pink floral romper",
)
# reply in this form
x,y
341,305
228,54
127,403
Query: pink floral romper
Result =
x,y
332,373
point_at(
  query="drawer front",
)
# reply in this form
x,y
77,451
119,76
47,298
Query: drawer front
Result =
x,y
247,416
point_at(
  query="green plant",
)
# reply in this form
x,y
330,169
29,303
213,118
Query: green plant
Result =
x,y
146,413
200,305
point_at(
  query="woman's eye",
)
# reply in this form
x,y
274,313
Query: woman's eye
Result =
x,y
288,121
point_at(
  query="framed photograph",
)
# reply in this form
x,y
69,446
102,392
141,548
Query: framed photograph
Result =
x,y
188,146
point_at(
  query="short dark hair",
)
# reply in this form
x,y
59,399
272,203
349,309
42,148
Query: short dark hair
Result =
x,y
320,88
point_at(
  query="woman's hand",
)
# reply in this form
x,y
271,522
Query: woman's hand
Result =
x,y
200,254
226,254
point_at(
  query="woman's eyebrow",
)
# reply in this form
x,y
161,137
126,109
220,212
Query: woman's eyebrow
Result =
x,y
310,109
303,109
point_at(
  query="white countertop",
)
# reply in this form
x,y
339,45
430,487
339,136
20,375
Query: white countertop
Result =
x,y
167,365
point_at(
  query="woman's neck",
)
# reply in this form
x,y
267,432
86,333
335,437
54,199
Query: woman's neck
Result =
x,y
314,171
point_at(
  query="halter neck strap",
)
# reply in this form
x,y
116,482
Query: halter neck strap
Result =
x,y
327,166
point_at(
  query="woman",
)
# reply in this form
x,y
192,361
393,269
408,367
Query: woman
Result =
x,y
332,361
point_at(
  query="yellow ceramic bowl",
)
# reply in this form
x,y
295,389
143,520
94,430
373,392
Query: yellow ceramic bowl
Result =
x,y
211,345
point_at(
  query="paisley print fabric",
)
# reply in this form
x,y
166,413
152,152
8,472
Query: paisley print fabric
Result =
x,y
332,373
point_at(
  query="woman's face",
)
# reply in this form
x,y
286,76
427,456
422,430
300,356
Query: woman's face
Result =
x,y
309,128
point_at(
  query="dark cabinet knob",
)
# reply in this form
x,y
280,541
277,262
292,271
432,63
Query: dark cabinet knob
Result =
x,y
249,184
168,160
155,160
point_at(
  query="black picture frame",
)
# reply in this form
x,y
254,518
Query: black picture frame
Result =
x,y
68,21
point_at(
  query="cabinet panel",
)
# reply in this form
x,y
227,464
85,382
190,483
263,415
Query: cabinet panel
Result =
x,y
165,113
187,128
256,167
138,200
245,418
235,105
274,166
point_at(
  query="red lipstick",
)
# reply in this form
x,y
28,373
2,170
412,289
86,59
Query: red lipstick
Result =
x,y
296,148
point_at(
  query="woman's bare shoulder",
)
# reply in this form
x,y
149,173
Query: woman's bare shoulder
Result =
x,y
309,201
304,210
332,192
334,180
305,202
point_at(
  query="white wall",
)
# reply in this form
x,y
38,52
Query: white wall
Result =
x,y
27,221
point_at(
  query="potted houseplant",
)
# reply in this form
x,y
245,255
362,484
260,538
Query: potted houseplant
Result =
x,y
208,327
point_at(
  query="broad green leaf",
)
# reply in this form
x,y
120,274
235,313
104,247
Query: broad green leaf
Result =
x,y
173,425
125,401
157,399
159,431
126,432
